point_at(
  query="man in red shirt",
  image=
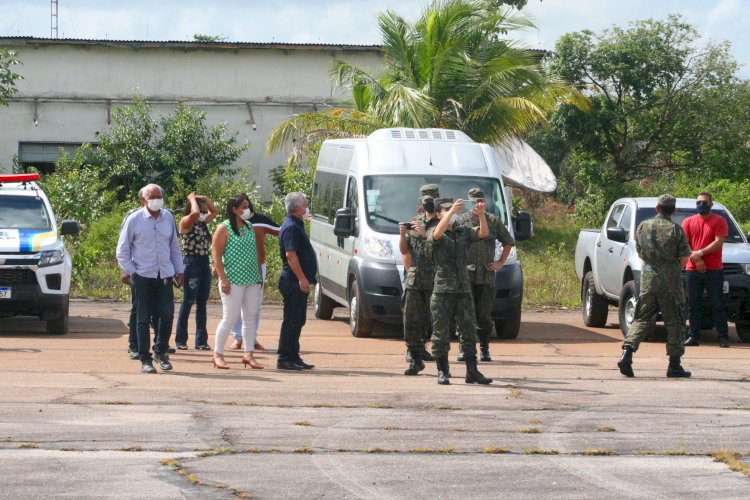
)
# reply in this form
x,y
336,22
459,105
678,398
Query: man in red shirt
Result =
x,y
706,233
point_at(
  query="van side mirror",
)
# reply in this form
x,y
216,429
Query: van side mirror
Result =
x,y
619,234
343,223
522,226
70,228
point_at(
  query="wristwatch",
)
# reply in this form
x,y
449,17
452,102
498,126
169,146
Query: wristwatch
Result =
x,y
700,253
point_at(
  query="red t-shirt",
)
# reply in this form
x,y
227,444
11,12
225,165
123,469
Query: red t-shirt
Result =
x,y
702,232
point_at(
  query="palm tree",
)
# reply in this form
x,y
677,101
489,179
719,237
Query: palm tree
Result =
x,y
453,68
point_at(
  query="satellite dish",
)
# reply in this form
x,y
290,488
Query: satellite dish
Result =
x,y
522,167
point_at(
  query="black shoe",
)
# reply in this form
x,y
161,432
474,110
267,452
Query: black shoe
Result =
x,y
171,350
485,354
474,376
692,341
304,365
444,377
204,347
426,355
460,356
182,347
675,369
147,367
626,362
723,342
416,366
288,365
163,361
133,353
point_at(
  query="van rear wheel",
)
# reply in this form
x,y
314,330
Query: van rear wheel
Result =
x,y
322,304
360,325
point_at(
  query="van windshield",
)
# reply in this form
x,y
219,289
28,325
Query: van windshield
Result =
x,y
390,199
735,235
23,212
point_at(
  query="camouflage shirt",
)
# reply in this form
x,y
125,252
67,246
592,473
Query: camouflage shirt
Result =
x,y
420,275
660,243
482,252
449,256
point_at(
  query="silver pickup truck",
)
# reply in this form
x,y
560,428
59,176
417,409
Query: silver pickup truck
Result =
x,y
609,268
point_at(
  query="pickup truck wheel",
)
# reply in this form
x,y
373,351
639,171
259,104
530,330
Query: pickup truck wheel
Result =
x,y
359,324
626,310
322,304
508,329
743,331
594,306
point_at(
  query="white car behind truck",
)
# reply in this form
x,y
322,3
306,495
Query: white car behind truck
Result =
x,y
35,267
609,267
364,187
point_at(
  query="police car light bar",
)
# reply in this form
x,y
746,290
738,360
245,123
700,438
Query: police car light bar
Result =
x,y
19,178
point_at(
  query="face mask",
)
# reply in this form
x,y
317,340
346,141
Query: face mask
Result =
x,y
246,214
453,219
155,204
429,206
203,216
703,207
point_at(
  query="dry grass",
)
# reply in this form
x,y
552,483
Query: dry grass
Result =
x,y
27,446
495,450
304,449
303,423
218,450
535,420
107,402
170,462
131,448
539,451
529,430
446,407
376,450
732,459
447,449
604,428
380,406
597,452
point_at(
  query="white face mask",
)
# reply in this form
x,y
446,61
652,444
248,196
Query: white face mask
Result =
x,y
155,204
203,216
246,214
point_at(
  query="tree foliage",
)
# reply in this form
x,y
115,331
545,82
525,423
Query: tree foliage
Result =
x,y
8,59
455,67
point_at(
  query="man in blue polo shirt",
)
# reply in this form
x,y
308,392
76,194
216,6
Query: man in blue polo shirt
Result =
x,y
298,274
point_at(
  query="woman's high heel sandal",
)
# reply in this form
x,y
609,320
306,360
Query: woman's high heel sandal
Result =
x,y
218,361
248,359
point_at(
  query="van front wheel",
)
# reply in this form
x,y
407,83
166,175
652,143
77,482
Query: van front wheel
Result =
x,y
322,304
360,325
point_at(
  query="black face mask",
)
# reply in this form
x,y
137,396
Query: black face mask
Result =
x,y
703,207
429,206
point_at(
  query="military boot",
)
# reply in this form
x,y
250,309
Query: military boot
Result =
x,y
416,365
443,370
474,376
626,362
460,356
675,369
484,346
426,356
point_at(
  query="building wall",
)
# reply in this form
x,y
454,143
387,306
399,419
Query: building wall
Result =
x,y
70,87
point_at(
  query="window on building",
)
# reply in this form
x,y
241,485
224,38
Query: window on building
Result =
x,y
43,155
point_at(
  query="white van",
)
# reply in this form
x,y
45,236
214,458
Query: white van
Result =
x,y
364,187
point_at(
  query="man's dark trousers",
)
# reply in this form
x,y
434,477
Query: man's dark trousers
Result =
x,y
713,283
154,297
295,315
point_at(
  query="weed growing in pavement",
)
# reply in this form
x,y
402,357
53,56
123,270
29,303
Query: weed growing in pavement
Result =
x,y
27,445
304,423
251,450
376,450
516,392
106,402
194,479
535,420
304,449
379,406
732,459
131,448
447,449
229,403
394,428
529,430
170,462
597,452
539,451
422,450
200,401
446,407
495,450
218,450
68,449
604,428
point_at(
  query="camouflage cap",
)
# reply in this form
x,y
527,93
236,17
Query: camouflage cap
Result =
x,y
429,191
476,193
666,200
441,203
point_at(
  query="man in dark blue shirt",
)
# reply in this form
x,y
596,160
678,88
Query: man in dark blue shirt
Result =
x,y
299,272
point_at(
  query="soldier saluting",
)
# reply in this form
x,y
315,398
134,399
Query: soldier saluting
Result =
x,y
664,249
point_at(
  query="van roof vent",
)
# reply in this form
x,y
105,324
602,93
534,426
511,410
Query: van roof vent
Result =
x,y
423,134
409,134
395,133
450,135
437,134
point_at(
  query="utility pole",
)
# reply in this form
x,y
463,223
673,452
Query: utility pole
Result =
x,y
53,19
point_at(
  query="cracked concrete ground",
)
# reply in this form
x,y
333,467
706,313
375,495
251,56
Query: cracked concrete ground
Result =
x,y
77,419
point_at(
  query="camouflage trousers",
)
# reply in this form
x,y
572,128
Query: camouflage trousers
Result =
x,y
484,296
672,307
446,307
415,306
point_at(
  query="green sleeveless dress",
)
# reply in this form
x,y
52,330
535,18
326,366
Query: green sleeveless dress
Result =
x,y
240,257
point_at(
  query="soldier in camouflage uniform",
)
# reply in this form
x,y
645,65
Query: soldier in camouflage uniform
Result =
x,y
448,244
664,249
415,301
482,265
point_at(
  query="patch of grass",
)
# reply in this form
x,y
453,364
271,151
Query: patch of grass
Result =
x,y
251,450
447,449
274,450
379,406
732,459
249,403
199,401
169,449
394,428
604,428
304,423
597,452
535,420
194,479
446,407
376,450
516,392
131,448
304,449
529,430
27,445
218,450
170,462
422,450
322,405
229,403
495,450
675,453
107,402
539,451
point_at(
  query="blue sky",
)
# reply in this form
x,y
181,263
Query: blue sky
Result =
x,y
350,22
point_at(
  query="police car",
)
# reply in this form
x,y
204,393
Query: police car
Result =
x,y
35,267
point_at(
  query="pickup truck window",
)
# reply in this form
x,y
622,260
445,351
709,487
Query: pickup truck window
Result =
x,y
735,235
614,216
627,219
23,212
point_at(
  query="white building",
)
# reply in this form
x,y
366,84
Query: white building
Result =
x,y
70,87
